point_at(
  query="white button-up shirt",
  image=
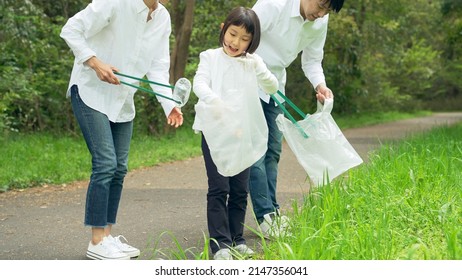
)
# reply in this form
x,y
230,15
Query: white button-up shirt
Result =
x,y
116,32
284,34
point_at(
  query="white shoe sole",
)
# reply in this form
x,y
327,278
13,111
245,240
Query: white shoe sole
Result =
x,y
133,254
94,256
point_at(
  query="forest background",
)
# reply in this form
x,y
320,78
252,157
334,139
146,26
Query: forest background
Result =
x,y
380,56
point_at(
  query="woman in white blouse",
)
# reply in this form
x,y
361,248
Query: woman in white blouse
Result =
x,y
234,132
111,35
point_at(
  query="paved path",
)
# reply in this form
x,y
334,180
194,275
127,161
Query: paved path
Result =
x,y
159,204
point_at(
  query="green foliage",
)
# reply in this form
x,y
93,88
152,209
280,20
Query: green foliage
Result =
x,y
61,8
396,63
390,55
341,65
32,83
452,52
379,55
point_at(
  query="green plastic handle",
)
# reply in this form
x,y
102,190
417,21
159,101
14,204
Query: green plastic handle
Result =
x,y
143,80
150,91
290,116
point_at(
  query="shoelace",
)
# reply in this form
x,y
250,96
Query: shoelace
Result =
x,y
110,247
120,243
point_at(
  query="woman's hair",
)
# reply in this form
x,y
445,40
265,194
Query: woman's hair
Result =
x,y
247,18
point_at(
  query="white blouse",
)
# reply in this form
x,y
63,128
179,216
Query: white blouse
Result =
x,y
116,32
229,112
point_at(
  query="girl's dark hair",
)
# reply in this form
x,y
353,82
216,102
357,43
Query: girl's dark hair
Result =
x,y
247,18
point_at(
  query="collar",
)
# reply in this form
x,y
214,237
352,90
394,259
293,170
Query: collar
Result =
x,y
140,6
295,10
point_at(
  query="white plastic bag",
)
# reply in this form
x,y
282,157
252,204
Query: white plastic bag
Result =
x,y
326,153
235,130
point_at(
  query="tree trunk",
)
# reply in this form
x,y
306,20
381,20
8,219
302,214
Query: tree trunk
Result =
x,y
183,23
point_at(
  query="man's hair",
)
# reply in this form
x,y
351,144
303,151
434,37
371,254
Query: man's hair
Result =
x,y
336,5
246,18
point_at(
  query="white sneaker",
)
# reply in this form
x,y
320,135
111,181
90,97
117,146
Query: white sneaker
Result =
x,y
244,250
284,222
123,246
223,254
274,226
105,250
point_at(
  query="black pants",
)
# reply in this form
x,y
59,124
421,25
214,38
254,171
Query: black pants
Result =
x,y
226,204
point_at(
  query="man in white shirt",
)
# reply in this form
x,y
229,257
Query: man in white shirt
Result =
x,y
111,35
288,27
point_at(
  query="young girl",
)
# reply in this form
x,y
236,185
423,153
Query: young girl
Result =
x,y
234,131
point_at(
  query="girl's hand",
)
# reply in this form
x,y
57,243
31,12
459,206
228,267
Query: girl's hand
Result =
x,y
255,61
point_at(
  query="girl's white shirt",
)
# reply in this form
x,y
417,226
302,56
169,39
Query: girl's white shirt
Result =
x,y
116,32
229,112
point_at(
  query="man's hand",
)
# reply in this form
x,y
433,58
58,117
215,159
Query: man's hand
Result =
x,y
175,118
323,92
105,72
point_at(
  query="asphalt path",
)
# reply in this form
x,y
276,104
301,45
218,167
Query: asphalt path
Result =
x,y
161,206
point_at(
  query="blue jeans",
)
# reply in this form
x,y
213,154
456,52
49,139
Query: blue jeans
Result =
x,y
109,144
264,173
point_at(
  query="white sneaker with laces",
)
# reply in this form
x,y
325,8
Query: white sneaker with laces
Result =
x,y
244,250
223,254
123,246
105,250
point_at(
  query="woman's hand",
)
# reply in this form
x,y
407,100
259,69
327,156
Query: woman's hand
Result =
x,y
105,72
175,118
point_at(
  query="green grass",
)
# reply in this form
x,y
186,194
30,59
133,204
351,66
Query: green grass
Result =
x,y
176,251
37,159
33,160
406,203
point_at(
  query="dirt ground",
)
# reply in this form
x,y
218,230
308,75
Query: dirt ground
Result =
x,y
160,205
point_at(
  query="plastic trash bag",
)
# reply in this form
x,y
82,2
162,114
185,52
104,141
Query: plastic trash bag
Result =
x,y
326,153
235,130
181,91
